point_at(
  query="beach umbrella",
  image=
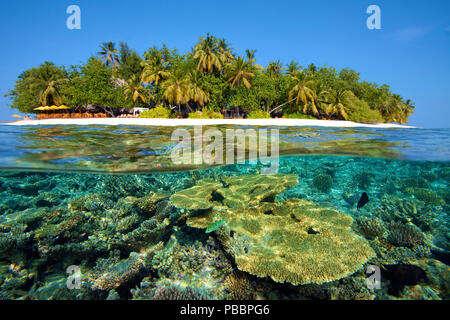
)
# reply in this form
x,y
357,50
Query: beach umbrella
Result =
x,y
16,116
38,108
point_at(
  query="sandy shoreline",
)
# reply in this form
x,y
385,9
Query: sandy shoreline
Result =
x,y
204,122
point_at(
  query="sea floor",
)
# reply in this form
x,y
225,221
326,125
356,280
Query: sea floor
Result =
x,y
229,232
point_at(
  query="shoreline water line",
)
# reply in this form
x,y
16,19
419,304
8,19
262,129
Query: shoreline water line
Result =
x,y
205,122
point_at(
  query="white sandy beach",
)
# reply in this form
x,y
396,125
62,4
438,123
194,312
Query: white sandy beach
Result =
x,y
205,122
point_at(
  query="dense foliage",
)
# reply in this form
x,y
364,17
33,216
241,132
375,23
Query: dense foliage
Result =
x,y
205,114
157,112
211,76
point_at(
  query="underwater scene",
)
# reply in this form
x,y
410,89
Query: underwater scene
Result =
x,y
101,212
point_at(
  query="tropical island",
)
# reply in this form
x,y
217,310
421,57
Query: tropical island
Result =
x,y
209,82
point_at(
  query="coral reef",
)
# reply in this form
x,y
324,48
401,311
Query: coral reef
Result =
x,y
116,275
323,182
371,227
238,287
298,242
142,236
405,235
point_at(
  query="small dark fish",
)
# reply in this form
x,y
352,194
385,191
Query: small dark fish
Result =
x,y
363,200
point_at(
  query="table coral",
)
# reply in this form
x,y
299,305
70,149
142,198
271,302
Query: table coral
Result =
x,y
293,241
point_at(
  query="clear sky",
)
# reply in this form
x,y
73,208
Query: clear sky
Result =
x,y
411,52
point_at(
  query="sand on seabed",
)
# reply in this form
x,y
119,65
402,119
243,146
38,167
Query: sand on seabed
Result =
x,y
205,122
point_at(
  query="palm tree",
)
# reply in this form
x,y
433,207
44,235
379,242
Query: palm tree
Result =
x,y
391,110
176,89
321,92
339,101
207,54
302,92
275,68
48,84
407,109
251,59
135,90
196,93
293,67
154,67
109,54
225,51
312,69
239,72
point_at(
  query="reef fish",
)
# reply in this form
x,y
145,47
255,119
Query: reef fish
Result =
x,y
215,226
363,200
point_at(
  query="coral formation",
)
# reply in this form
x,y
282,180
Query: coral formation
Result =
x,y
238,287
323,182
405,235
371,228
142,236
297,242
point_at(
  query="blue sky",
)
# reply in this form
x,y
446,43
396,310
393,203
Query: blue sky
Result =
x,y
411,52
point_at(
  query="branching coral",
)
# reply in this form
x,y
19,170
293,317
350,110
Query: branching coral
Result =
x,y
405,235
426,195
408,210
371,228
238,287
120,273
163,259
175,292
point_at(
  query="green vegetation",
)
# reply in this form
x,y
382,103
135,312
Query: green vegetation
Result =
x,y
258,114
157,112
205,114
210,77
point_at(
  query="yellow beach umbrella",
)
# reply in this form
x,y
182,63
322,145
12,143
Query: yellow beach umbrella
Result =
x,y
38,108
16,116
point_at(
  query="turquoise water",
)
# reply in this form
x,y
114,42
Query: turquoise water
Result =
x,y
108,200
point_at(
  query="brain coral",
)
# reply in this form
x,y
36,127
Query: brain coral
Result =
x,y
294,241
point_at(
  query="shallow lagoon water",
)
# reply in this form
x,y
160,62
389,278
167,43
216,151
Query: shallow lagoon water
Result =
x,y
102,198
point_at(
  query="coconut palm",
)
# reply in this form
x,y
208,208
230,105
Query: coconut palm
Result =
x,y
407,109
251,59
321,93
207,54
391,110
196,93
176,89
338,102
109,54
293,67
303,93
275,68
48,84
311,70
154,67
135,89
224,50
239,72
